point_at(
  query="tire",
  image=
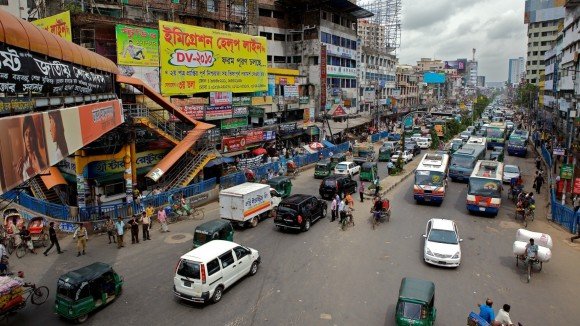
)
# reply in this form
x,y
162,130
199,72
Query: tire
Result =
x,y
82,319
39,295
254,222
306,225
254,268
10,246
21,251
217,294
324,213
198,214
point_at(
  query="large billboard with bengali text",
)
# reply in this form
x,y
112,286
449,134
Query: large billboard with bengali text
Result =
x,y
137,46
31,143
58,24
197,59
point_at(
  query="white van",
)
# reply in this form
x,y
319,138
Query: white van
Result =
x,y
204,273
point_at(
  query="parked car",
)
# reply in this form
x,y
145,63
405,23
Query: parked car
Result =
x,y
204,273
442,243
412,147
337,184
348,168
415,136
424,143
406,156
464,135
299,212
510,172
471,129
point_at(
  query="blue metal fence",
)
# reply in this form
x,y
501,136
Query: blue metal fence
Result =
x,y
43,207
547,156
564,215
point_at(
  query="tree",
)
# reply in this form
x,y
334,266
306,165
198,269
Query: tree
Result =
x,y
434,139
526,94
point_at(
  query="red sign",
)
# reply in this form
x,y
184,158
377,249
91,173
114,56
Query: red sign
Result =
x,y
323,77
577,186
560,186
254,136
339,111
233,144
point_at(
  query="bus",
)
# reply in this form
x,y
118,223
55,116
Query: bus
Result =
x,y
431,178
484,189
495,134
463,161
518,143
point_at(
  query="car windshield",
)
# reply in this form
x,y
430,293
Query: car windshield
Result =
x,y
329,183
494,132
462,161
443,236
484,187
423,140
65,290
517,142
429,178
511,169
411,310
341,166
321,165
188,269
289,206
200,237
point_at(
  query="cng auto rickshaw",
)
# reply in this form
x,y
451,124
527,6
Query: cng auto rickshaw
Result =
x,y
384,154
335,159
283,185
213,230
86,289
368,171
416,303
323,169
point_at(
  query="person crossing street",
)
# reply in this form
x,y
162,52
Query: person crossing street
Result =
x,y
53,240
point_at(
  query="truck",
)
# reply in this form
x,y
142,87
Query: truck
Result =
x,y
248,203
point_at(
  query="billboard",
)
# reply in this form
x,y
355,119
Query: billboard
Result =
x,y
31,143
457,64
434,78
137,46
58,24
197,59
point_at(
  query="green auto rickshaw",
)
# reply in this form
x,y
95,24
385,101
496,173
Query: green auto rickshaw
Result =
x,y
86,289
416,303
368,171
212,230
283,185
323,169
335,159
384,154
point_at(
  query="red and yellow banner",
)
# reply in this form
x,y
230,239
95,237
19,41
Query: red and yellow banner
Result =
x,y
58,24
197,59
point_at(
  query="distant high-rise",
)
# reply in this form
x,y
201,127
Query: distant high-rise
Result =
x,y
516,70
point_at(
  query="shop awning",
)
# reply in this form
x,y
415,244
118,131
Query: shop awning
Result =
x,y
231,154
52,177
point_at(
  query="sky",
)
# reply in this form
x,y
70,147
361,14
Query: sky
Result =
x,y
450,29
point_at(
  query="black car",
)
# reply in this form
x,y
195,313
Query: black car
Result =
x,y
337,184
413,147
299,212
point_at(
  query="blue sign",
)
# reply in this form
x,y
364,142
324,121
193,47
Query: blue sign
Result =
x,y
434,78
408,121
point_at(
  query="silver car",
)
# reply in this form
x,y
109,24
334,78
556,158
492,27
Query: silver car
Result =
x,y
510,172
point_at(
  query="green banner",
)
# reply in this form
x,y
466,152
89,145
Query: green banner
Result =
x,y
255,112
304,99
137,46
241,101
566,171
232,123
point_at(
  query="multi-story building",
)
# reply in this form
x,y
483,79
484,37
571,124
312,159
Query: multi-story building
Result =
x,y
428,64
407,92
516,70
471,74
552,62
23,9
377,74
481,81
372,34
543,18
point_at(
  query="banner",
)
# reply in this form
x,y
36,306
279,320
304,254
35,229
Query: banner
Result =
x,y
16,105
190,106
233,144
31,143
137,46
218,112
23,72
220,98
197,59
234,123
144,159
323,83
240,111
254,136
58,24
567,171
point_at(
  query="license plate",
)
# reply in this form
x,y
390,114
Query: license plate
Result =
x,y
187,283
427,198
482,209
482,203
442,262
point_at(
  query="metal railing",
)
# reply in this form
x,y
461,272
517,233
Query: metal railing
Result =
x,y
564,215
156,118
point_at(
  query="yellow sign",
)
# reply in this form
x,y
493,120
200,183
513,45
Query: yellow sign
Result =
x,y
261,100
197,59
58,25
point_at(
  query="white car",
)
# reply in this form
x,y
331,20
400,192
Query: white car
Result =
x,y
471,129
442,243
349,168
424,143
415,137
406,156
465,136
510,172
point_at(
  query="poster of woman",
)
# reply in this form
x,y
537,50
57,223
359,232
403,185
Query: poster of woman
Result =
x,y
61,143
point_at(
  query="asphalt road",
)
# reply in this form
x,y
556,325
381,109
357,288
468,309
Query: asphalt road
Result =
x,y
330,277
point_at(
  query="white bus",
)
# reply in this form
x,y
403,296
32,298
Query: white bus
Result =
x,y
431,178
485,185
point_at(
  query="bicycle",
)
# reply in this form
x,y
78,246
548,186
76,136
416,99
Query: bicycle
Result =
x,y
384,217
529,265
22,249
196,214
9,243
347,220
37,295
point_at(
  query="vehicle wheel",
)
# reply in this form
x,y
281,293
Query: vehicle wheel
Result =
x,y
254,222
82,319
306,225
254,268
217,295
39,295
45,240
21,251
10,246
324,212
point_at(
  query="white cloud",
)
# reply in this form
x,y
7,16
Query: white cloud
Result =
x,y
450,29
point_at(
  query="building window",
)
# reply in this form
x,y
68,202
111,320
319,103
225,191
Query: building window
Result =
x,y
278,14
297,59
336,19
279,37
269,58
264,12
114,188
267,35
324,15
335,40
279,59
212,5
296,37
534,72
313,60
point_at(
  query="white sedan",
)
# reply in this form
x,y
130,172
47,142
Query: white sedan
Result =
x,y
406,156
348,168
510,172
424,143
442,243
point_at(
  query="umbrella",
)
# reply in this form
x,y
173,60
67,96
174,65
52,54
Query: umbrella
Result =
x,y
316,145
259,151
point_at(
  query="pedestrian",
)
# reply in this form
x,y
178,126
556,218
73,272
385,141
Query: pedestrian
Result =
x,y
82,236
53,240
145,222
120,226
99,204
26,238
333,209
150,211
503,316
162,217
110,227
134,229
349,201
577,236
538,181
486,311
342,209
576,203
361,191
376,183
538,162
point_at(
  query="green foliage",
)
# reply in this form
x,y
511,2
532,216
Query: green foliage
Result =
x,y
74,8
434,139
399,164
525,95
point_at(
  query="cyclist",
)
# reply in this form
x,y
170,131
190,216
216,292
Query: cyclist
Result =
x,y
531,251
377,208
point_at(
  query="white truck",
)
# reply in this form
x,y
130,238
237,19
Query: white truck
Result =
x,y
248,203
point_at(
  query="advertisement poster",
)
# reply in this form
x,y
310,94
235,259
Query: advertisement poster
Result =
x,y
137,46
323,84
192,107
220,98
240,112
234,123
218,112
291,91
233,144
149,75
58,24
197,59
566,171
144,159
254,136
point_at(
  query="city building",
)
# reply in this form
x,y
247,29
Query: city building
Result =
x,y
481,81
407,92
471,73
428,64
516,70
26,10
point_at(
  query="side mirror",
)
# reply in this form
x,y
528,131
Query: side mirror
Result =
x,y
424,235
460,240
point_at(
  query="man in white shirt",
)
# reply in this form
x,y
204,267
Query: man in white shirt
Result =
x,y
342,209
503,316
333,209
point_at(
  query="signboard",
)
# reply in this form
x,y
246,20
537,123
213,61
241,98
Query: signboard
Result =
x,y
256,112
234,123
137,46
287,127
197,59
567,171
233,144
254,136
339,111
291,91
269,135
190,107
304,100
218,112
241,101
220,98
58,24
144,159
369,95
323,83
240,111
559,151
269,122
459,65
16,105
261,100
577,186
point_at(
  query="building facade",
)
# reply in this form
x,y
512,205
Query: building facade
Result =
x,y
471,74
407,93
516,70
480,81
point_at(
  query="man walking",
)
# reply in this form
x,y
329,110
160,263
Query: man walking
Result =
x,y
110,227
53,240
538,181
538,162
134,229
81,235
333,209
120,226
145,222
361,191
